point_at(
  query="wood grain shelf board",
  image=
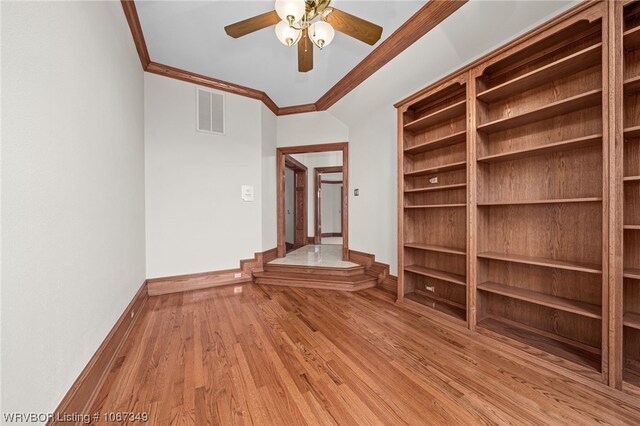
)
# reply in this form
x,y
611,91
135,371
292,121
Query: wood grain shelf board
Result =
x,y
561,68
631,38
439,249
632,85
440,299
555,302
459,108
544,149
437,274
564,106
633,273
436,188
633,227
432,303
539,261
631,319
631,179
436,206
448,140
438,169
575,352
632,132
553,201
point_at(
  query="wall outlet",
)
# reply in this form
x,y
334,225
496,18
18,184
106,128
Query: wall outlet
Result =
x,y
237,275
356,192
433,180
237,290
431,289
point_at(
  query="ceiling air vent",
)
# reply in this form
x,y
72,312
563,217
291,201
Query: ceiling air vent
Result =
x,y
210,107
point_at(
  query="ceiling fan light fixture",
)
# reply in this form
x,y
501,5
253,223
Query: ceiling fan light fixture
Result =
x,y
321,33
290,11
286,34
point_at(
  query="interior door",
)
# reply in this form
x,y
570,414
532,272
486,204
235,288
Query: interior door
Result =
x,y
300,233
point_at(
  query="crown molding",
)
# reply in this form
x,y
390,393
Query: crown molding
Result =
x,y
424,20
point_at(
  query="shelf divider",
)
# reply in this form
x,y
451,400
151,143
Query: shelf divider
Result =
x,y
437,274
458,137
551,201
576,143
437,169
539,261
578,61
436,188
443,114
564,106
432,247
560,303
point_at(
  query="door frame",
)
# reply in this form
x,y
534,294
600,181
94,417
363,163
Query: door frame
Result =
x,y
317,185
280,166
299,174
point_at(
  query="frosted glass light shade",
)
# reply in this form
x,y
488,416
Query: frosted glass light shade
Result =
x,y
286,8
287,35
321,33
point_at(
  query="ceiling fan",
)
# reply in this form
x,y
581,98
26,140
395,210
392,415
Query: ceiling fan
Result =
x,y
294,21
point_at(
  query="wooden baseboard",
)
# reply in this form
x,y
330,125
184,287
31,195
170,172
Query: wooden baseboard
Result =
x,y
331,234
380,270
189,282
84,390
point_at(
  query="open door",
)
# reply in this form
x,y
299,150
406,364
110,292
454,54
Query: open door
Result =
x,y
299,189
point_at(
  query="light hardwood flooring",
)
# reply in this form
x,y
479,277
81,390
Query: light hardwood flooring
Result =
x,y
277,355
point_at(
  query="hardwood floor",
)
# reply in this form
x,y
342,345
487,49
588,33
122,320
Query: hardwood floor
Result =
x,y
276,355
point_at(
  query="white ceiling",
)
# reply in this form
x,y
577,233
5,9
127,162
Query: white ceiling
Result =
x,y
190,35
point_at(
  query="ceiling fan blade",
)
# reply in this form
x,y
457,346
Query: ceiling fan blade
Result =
x,y
250,25
305,53
355,27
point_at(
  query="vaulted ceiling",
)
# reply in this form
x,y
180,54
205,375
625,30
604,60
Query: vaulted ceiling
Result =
x,y
190,35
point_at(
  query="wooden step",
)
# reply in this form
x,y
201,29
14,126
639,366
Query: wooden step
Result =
x,y
326,282
315,270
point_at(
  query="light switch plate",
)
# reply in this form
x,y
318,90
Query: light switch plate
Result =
x,y
247,193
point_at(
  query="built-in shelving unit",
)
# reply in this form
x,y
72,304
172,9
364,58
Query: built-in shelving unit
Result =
x,y
513,201
631,188
432,165
539,196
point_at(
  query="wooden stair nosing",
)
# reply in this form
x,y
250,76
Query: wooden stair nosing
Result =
x,y
330,285
337,279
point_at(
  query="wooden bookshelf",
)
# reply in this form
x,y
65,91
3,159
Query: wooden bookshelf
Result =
x,y
631,195
433,195
518,178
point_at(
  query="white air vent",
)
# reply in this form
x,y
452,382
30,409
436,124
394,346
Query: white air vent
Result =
x,y
210,110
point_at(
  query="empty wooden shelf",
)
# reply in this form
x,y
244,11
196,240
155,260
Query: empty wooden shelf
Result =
x,y
437,188
575,143
553,201
631,319
452,139
549,263
576,62
432,247
434,273
438,116
437,169
561,303
564,106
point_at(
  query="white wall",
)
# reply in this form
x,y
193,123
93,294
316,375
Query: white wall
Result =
x,y
196,219
72,191
331,206
310,129
289,205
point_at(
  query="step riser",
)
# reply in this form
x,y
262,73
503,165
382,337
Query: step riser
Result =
x,y
337,272
317,285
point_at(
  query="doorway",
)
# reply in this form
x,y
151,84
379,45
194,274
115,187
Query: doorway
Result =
x,y
329,194
295,204
281,166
